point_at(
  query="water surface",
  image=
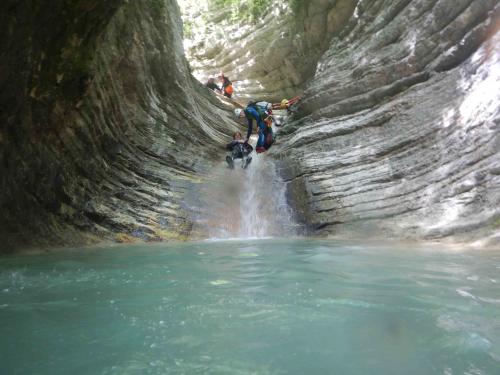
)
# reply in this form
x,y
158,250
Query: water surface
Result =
x,y
251,307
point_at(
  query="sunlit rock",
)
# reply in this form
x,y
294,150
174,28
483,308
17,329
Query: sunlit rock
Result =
x,y
267,56
105,135
399,130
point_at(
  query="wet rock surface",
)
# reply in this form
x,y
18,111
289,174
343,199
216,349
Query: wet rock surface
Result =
x,y
103,129
105,136
399,133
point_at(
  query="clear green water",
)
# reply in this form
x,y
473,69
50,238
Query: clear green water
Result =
x,y
251,307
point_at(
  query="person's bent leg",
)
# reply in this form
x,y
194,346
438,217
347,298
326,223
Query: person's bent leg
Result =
x,y
230,162
248,160
260,142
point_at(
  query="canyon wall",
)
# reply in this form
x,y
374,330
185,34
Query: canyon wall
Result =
x,y
268,57
398,134
106,136
104,131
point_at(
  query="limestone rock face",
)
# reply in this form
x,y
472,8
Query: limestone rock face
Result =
x,y
105,135
270,57
103,128
399,133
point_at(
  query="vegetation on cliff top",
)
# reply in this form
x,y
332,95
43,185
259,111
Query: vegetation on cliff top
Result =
x,y
243,9
233,10
251,10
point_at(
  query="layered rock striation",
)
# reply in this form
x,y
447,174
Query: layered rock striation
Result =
x,y
399,132
268,57
105,135
103,131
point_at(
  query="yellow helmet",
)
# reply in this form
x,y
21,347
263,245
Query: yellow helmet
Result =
x,y
284,104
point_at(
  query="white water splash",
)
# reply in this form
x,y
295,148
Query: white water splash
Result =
x,y
264,211
253,223
246,203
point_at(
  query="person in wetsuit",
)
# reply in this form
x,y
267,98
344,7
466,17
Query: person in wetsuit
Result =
x,y
212,85
258,112
240,149
226,86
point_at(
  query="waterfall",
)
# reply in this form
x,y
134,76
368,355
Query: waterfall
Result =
x,y
264,211
245,203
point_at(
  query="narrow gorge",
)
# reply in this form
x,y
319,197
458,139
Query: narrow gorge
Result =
x,y
366,240
106,134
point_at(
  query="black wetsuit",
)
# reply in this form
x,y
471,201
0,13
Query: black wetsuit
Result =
x,y
212,86
238,149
